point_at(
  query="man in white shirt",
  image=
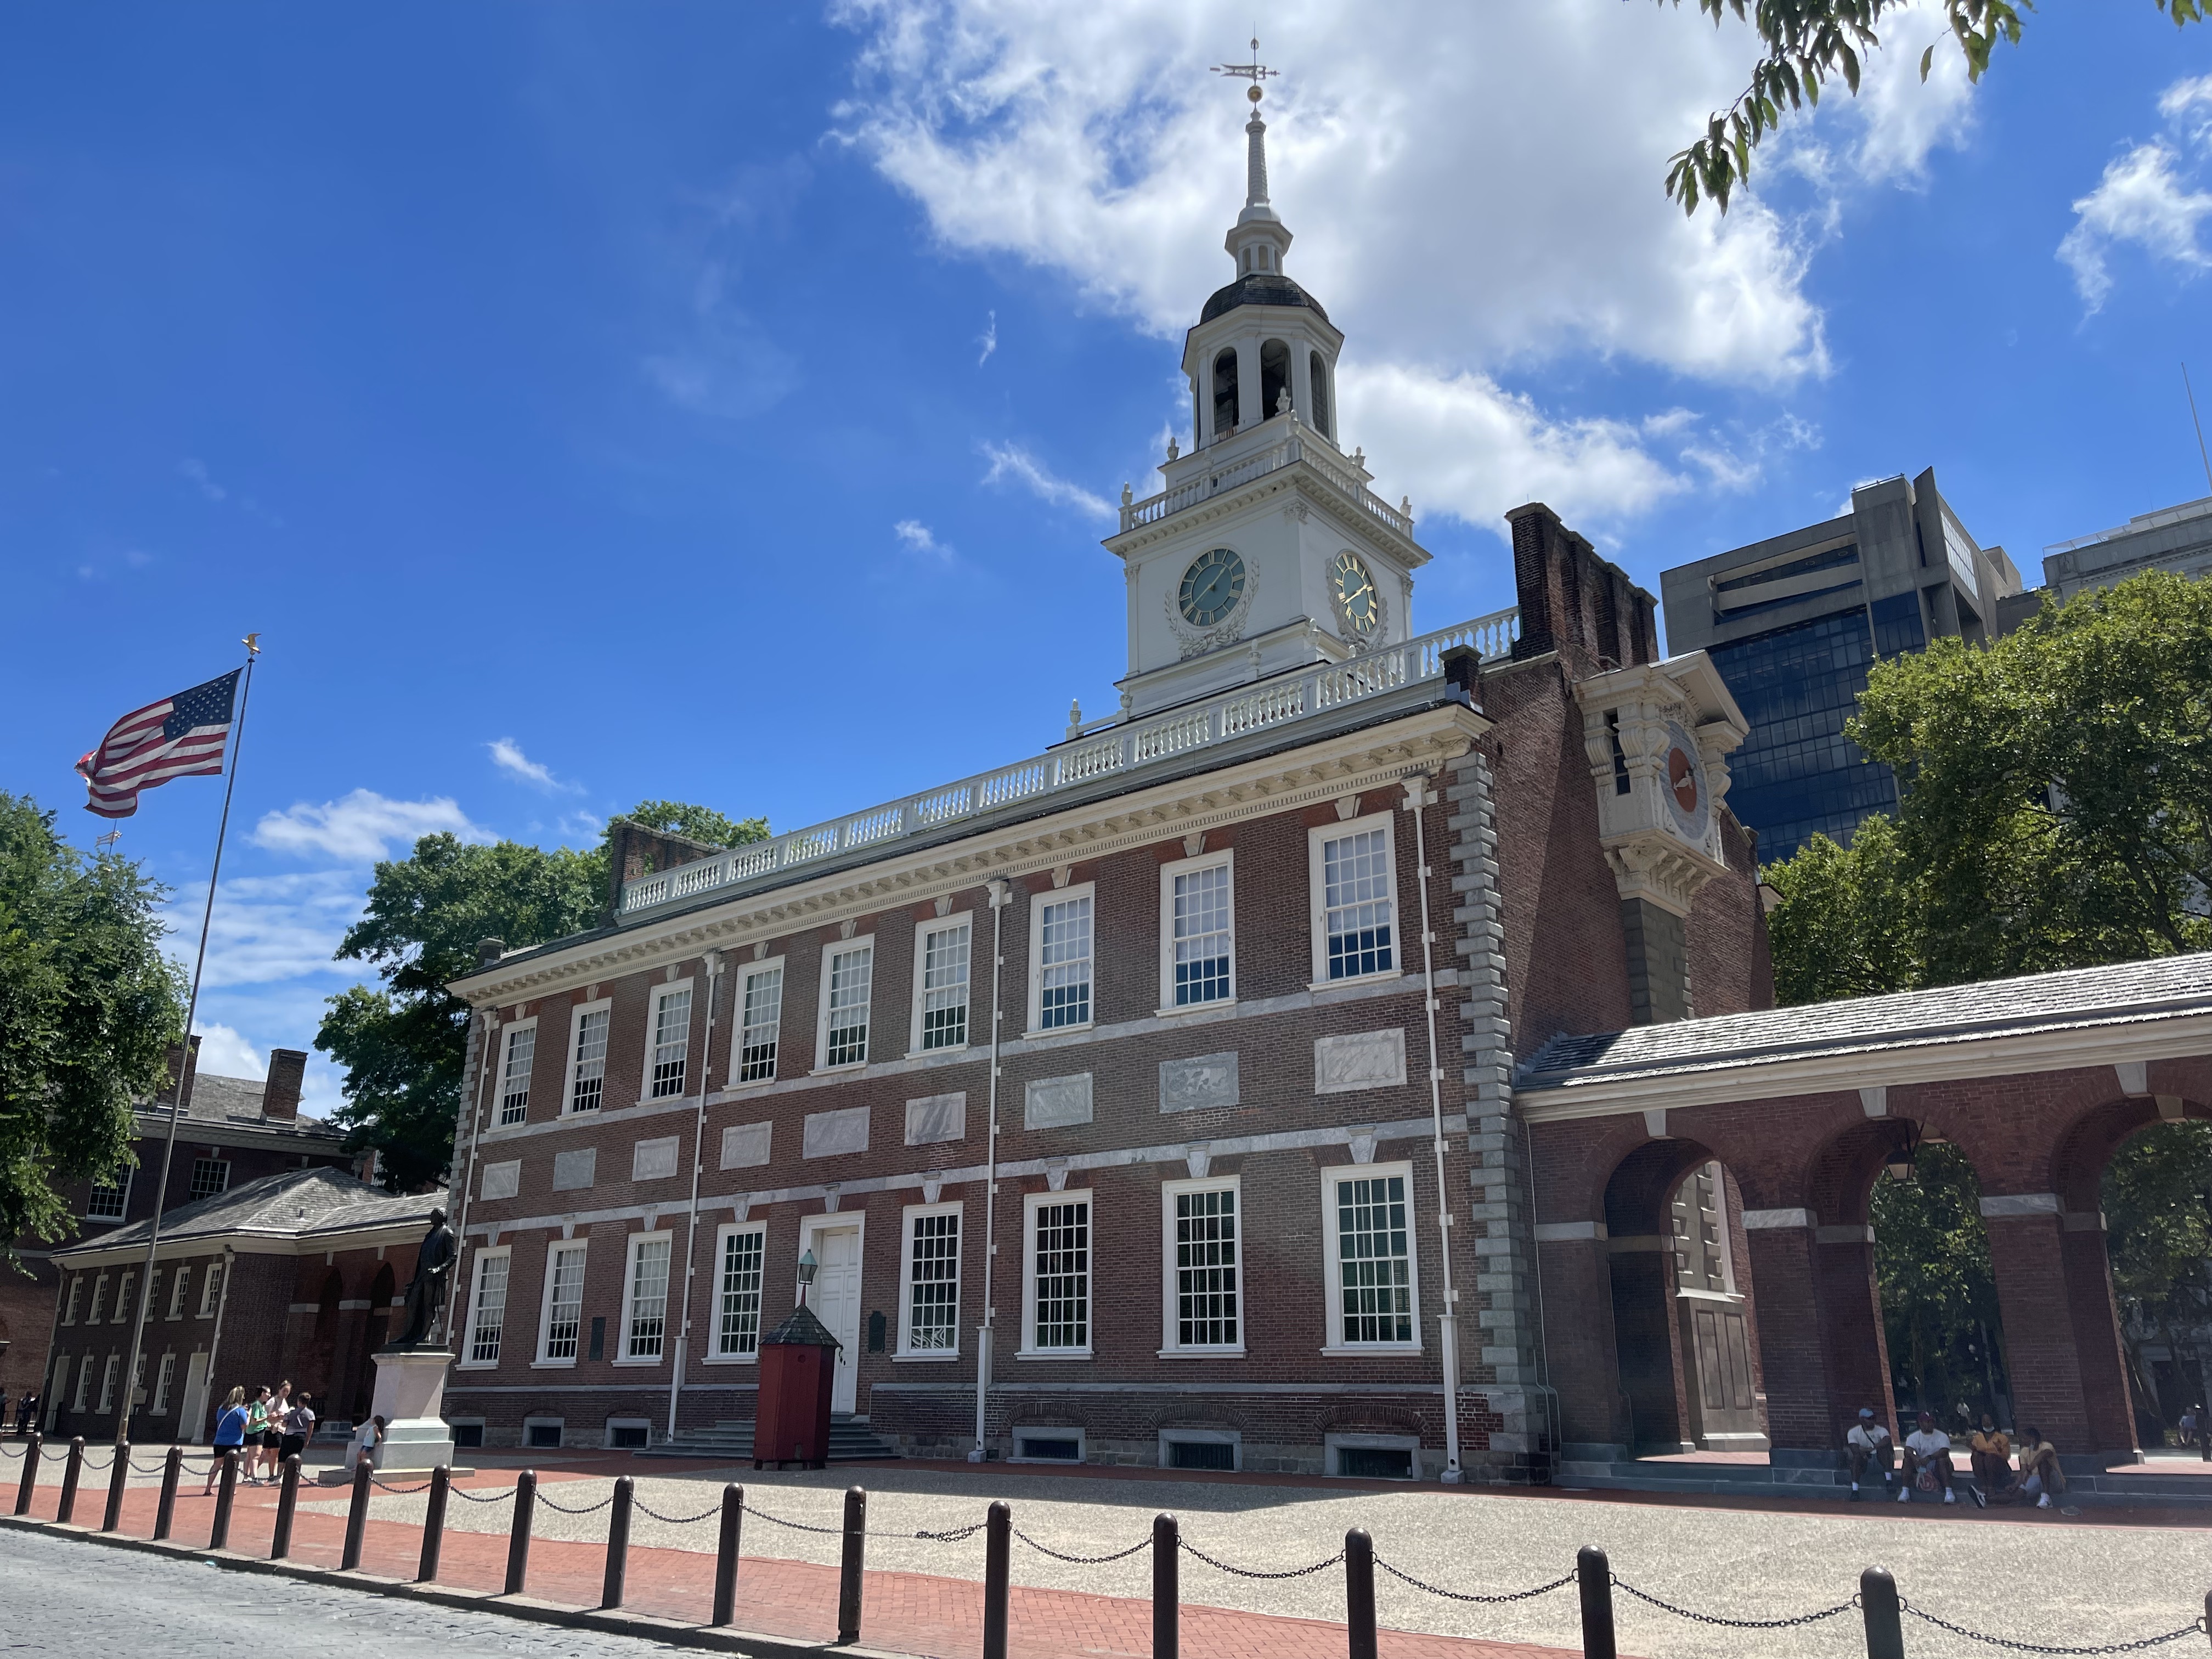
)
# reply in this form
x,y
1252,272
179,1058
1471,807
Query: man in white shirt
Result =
x,y
1868,1442
1927,1448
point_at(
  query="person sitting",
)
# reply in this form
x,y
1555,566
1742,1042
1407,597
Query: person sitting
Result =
x,y
1990,1451
1868,1444
2039,1474
1928,1453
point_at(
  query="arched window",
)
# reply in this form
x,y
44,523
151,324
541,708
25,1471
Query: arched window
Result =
x,y
1225,393
1274,376
1319,371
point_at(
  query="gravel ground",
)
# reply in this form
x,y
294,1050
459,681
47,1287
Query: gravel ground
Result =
x,y
2047,1580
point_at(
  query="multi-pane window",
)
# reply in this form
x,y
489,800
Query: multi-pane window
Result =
x,y
647,1328
1204,1305
1199,927
76,1289
162,1379
933,1281
737,1294
108,1197
210,1176
587,1075
487,1308
154,1295
763,1009
1356,904
1374,1258
852,972
564,1300
514,1077
943,980
1059,1271
108,1373
210,1289
98,1299
671,1042
177,1291
83,1382
124,1310
1063,963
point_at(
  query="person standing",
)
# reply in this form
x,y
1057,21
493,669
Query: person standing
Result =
x,y
364,1443
299,1428
229,1433
257,1432
1868,1444
1928,1451
272,1429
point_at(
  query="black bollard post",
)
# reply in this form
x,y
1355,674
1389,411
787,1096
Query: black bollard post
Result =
x,y
118,1481
356,1517
1884,1625
29,1483
434,1527
997,1557
70,1471
725,1557
1594,1575
287,1500
849,1570
1167,1550
165,1514
1359,1593
219,1530
611,1590
518,1541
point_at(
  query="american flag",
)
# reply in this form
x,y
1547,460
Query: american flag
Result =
x,y
179,737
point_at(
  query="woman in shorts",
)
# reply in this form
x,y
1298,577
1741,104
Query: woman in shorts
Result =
x,y
299,1428
229,1433
273,1430
257,1431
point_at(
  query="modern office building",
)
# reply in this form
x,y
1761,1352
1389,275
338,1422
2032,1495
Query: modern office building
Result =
x,y
2176,539
1793,622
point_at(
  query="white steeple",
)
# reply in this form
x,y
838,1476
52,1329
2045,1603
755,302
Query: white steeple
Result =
x,y
1258,240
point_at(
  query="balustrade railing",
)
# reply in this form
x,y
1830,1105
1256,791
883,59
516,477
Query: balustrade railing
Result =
x,y
1117,749
1295,447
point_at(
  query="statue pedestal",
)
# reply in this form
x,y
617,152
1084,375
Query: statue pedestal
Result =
x,y
410,1394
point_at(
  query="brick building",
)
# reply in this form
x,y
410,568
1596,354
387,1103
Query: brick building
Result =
x,y
236,1130
1154,1091
293,1277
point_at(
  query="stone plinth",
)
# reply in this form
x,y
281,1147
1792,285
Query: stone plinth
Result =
x,y
410,1394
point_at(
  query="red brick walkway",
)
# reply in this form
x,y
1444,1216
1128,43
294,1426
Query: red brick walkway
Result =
x,y
911,1613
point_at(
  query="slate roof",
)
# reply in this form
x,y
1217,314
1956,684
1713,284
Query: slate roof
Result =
x,y
1259,288
2166,987
237,1100
293,1204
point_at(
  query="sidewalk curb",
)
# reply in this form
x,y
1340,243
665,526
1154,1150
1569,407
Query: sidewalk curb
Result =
x,y
645,1626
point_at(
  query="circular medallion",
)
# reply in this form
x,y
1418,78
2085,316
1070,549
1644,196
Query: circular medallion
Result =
x,y
1212,587
1686,785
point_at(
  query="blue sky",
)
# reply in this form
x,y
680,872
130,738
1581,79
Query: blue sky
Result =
x,y
722,403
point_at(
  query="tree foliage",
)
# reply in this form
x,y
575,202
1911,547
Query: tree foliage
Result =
x,y
1804,44
1846,926
1939,1293
2157,1199
403,1045
89,1007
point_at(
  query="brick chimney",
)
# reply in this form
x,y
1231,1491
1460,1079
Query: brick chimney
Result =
x,y
280,1098
1575,603
632,850
183,1059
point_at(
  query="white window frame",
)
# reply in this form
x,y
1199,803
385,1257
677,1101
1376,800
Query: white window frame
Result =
x,y
84,1365
1069,895
558,1424
1225,858
1047,1431
180,1288
576,1017
1332,1262
747,972
913,1213
224,1162
553,1249
76,1295
714,1354
1031,1203
1232,1438
1170,1348
162,1380
694,1028
1332,1466
485,1253
508,1033
1317,880
829,955
125,1293
210,1289
633,1251
922,930
108,1374
123,1200
99,1298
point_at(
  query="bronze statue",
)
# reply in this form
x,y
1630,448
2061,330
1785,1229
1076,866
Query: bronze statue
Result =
x,y
427,1291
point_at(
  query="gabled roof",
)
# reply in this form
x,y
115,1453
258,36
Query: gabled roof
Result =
x,y
294,1204
236,1101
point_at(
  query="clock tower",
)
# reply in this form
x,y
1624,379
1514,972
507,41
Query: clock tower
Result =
x,y
1264,551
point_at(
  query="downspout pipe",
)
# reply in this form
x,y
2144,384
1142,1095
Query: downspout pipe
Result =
x,y
713,965
1419,798
1002,896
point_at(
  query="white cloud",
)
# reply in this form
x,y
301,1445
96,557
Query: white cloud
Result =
x,y
198,473
1012,462
915,535
506,755
224,1053
2145,197
988,340
269,929
357,827
1900,118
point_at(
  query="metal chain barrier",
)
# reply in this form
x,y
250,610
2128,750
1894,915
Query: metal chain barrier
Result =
x,y
2194,1628
92,1467
402,1491
13,1451
645,1508
504,1495
1560,1583
957,1535
1190,1548
563,1509
1739,1624
1082,1560
796,1526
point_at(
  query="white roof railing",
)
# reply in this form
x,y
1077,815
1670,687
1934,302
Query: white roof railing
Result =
x,y
1119,750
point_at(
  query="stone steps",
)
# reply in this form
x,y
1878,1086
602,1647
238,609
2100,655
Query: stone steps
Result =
x,y
851,1441
2112,1488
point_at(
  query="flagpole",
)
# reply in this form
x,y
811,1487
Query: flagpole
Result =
x,y
185,1069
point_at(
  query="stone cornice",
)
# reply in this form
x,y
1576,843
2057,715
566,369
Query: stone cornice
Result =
x,y
1298,478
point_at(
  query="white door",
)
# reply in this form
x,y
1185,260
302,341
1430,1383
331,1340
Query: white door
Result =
x,y
192,1420
835,1299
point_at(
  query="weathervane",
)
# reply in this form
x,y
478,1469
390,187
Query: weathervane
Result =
x,y
1255,71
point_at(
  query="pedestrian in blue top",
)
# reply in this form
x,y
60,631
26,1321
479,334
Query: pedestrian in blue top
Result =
x,y
229,1433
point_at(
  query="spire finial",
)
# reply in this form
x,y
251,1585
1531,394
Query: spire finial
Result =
x,y
1256,188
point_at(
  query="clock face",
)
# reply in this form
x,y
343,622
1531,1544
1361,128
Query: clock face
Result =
x,y
1357,601
1212,587
1686,784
